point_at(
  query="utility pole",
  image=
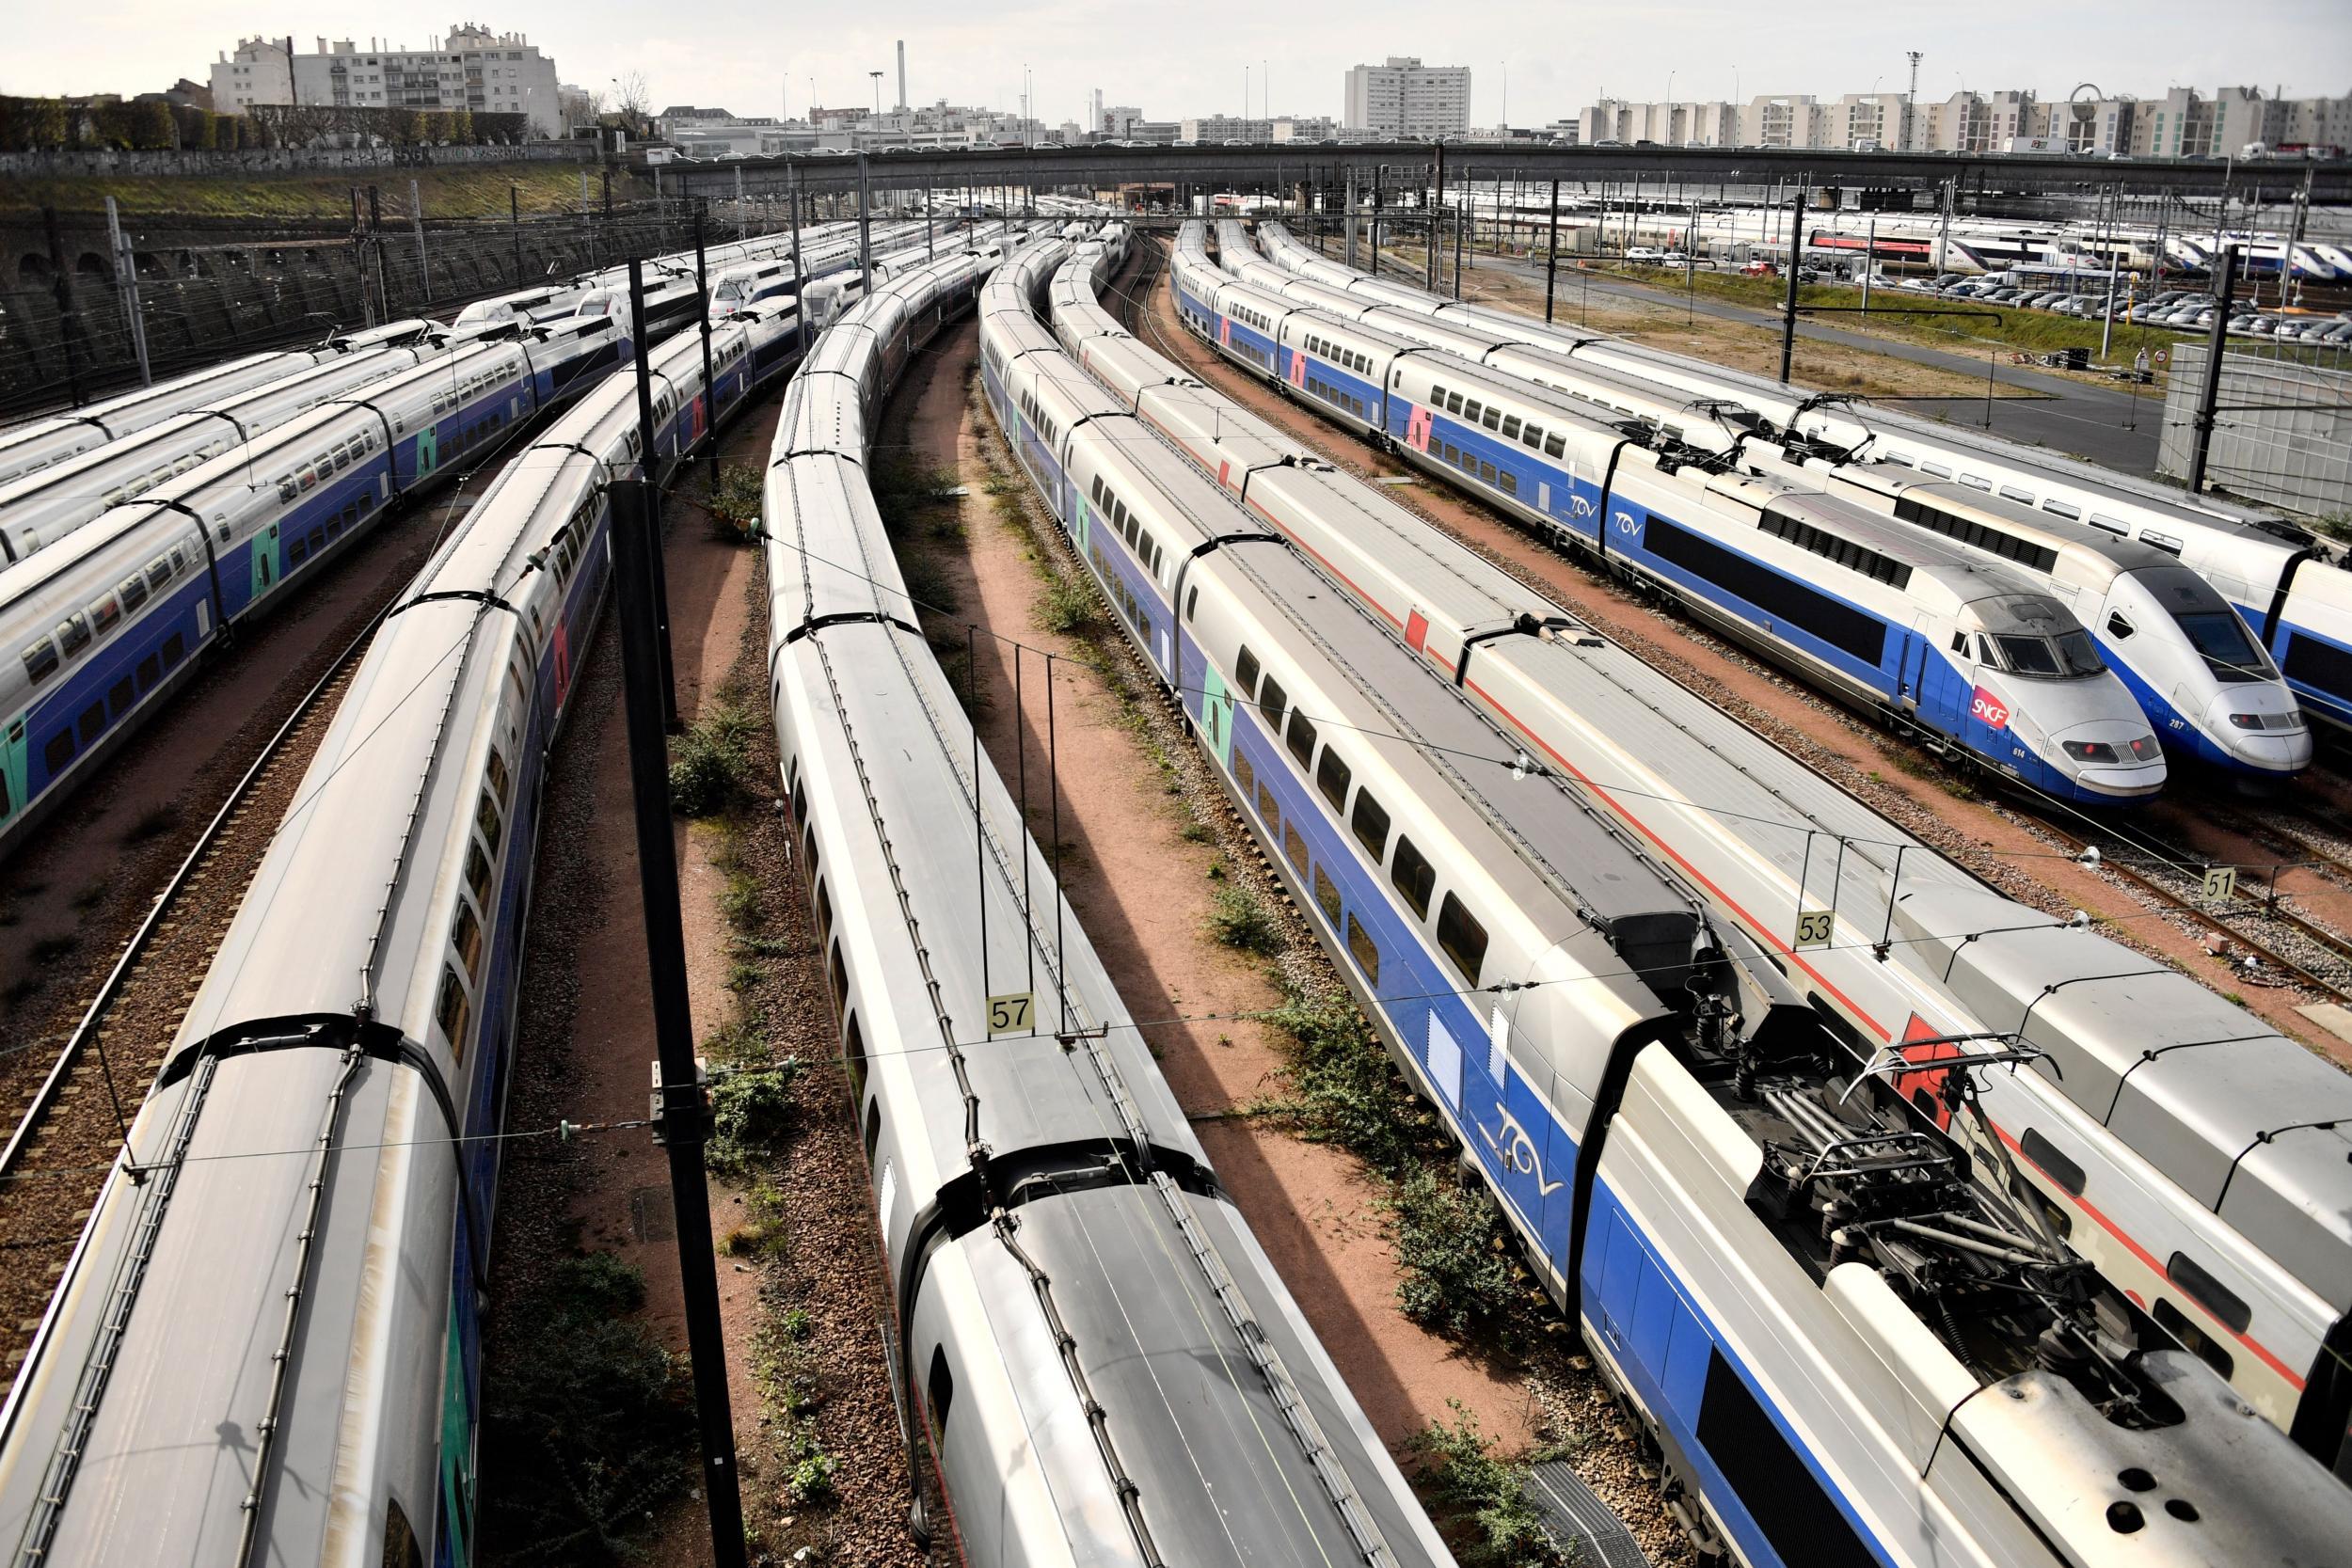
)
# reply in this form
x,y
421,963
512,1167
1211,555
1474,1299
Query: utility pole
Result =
x,y
656,567
359,262
375,248
1788,318
1551,255
416,221
1870,263
702,313
514,228
800,273
1911,98
127,290
1350,246
865,233
2224,287
61,285
1379,180
1437,200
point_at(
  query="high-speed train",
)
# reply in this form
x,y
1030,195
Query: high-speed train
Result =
x,y
27,447
2259,1278
1104,1364
46,505
2281,580
1854,1341
266,1346
2210,689
100,629
1901,622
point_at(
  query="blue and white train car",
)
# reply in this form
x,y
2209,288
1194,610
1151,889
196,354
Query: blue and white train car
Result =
x,y
1902,624
101,628
1841,1334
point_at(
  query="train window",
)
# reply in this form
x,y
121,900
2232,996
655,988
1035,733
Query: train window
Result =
x,y
873,1128
132,590
824,910
92,724
1364,950
1327,894
811,838
1486,472
1269,809
1510,483
150,670
1245,776
2162,541
1370,821
1492,419
840,974
500,780
175,649
486,816
58,751
400,1541
1975,481
2203,1288
2064,509
1437,396
1462,937
118,697
2011,492
853,1051
1331,777
1534,438
1192,603
1412,875
1295,846
2198,1344
1272,702
478,874
451,1011
2119,624
2111,525
2053,1161
40,660
1472,410
1935,469
1453,403
466,937
939,1393
74,634
159,571
1511,428
1301,738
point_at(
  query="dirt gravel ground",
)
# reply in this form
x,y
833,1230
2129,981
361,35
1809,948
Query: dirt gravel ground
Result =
x,y
1978,832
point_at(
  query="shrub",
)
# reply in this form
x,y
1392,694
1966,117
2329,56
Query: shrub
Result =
x,y
1243,923
1487,1496
751,1116
1069,607
1458,1273
734,506
711,765
587,1432
1341,1090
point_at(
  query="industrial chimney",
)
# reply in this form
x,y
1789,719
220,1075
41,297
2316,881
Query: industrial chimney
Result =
x,y
903,76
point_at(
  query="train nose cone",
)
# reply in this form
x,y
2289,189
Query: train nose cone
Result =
x,y
2261,726
2115,758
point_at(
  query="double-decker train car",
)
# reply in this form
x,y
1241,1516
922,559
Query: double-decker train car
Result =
x,y
1848,1340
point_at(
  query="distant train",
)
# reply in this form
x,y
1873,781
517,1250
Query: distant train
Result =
x,y
1906,625
266,1346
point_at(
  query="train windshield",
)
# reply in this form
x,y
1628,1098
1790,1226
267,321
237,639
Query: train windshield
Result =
x,y
2068,656
2220,638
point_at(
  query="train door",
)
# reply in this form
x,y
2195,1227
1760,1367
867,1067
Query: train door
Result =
x,y
12,768
266,566
1217,715
1911,674
1950,685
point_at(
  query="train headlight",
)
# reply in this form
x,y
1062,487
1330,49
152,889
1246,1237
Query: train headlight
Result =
x,y
2145,749
2247,721
2091,750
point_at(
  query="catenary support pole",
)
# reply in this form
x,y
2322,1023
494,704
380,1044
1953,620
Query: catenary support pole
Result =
x,y
800,272
375,250
1551,255
415,222
127,290
710,386
636,543
1429,232
650,458
2209,391
865,233
69,322
514,227
1788,311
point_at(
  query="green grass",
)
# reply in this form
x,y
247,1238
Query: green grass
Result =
x,y
460,191
751,1116
711,765
1483,1495
1239,920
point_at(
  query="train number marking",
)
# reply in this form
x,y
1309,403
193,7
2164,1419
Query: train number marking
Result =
x,y
1013,1013
1517,1152
1990,709
2220,884
1815,927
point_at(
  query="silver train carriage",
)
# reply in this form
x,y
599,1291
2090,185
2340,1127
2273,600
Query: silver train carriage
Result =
x,y
1802,1281
98,631
1106,1367
266,1346
2214,1193
35,445
2292,592
1905,624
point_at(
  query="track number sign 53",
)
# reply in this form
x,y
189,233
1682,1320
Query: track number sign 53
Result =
x,y
1013,1013
1815,927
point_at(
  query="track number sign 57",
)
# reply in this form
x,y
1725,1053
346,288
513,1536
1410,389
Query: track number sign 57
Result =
x,y
1013,1013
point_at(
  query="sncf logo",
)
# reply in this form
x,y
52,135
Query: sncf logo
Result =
x,y
1989,709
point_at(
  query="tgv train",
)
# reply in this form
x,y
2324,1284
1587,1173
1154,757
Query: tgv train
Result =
x,y
2278,577
2211,691
45,506
1901,622
258,1355
27,447
1104,1365
2247,1261
1852,1341
99,630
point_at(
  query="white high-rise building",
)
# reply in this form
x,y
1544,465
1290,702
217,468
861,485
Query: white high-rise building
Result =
x,y
475,70
1407,99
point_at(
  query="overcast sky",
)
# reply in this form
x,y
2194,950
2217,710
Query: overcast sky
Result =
x,y
755,58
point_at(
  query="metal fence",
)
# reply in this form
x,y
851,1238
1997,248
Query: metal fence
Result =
x,y
2283,426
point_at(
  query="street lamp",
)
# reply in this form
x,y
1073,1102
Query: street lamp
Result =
x,y
1506,97
877,76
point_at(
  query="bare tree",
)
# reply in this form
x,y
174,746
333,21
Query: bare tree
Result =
x,y
631,101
